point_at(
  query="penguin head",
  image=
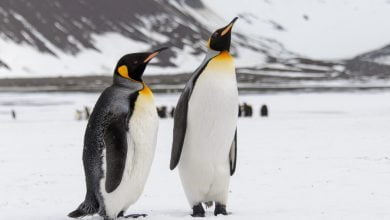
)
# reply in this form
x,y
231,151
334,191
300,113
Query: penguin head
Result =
x,y
132,66
220,39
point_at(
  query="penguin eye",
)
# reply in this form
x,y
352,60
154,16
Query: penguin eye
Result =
x,y
135,62
215,34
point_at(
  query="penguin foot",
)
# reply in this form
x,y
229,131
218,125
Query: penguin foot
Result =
x,y
220,209
121,215
198,211
136,215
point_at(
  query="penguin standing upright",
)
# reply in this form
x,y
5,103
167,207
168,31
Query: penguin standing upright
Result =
x,y
119,141
204,135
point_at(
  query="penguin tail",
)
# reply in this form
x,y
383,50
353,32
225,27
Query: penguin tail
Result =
x,y
76,214
83,210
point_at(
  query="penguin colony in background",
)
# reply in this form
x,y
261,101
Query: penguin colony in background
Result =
x,y
245,110
119,142
120,137
163,111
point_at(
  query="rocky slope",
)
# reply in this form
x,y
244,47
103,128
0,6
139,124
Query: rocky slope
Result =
x,y
54,37
51,38
373,64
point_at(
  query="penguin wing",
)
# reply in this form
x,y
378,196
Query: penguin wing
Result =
x,y
179,126
116,136
106,123
233,155
115,139
180,115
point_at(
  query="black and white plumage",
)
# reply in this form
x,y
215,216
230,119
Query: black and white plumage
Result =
x,y
205,135
119,141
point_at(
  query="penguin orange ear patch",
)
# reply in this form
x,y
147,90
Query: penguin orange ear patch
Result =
x,y
122,70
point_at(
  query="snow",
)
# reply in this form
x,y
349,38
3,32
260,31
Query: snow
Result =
x,y
383,60
87,62
318,156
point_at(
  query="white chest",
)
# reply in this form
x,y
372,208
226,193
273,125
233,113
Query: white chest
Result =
x,y
211,124
215,94
143,123
141,138
213,111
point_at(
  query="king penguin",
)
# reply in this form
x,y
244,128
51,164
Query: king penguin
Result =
x,y
204,134
119,141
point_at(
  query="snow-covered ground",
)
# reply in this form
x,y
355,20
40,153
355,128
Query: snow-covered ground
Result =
x,y
318,156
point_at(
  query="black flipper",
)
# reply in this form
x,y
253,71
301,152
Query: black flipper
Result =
x,y
233,155
115,139
180,114
179,127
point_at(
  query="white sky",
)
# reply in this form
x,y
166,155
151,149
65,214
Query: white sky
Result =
x,y
335,28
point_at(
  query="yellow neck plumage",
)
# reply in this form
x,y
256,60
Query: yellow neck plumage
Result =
x,y
223,62
225,56
146,91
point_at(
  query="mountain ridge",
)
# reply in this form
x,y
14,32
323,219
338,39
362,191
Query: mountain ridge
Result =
x,y
65,37
51,38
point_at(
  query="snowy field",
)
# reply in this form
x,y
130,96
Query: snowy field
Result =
x,y
318,156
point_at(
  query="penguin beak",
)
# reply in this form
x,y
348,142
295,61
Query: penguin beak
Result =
x,y
153,54
229,27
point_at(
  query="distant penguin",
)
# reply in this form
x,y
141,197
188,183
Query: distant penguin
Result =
x,y
246,110
87,113
249,110
13,114
264,111
162,111
78,115
205,135
119,141
172,112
